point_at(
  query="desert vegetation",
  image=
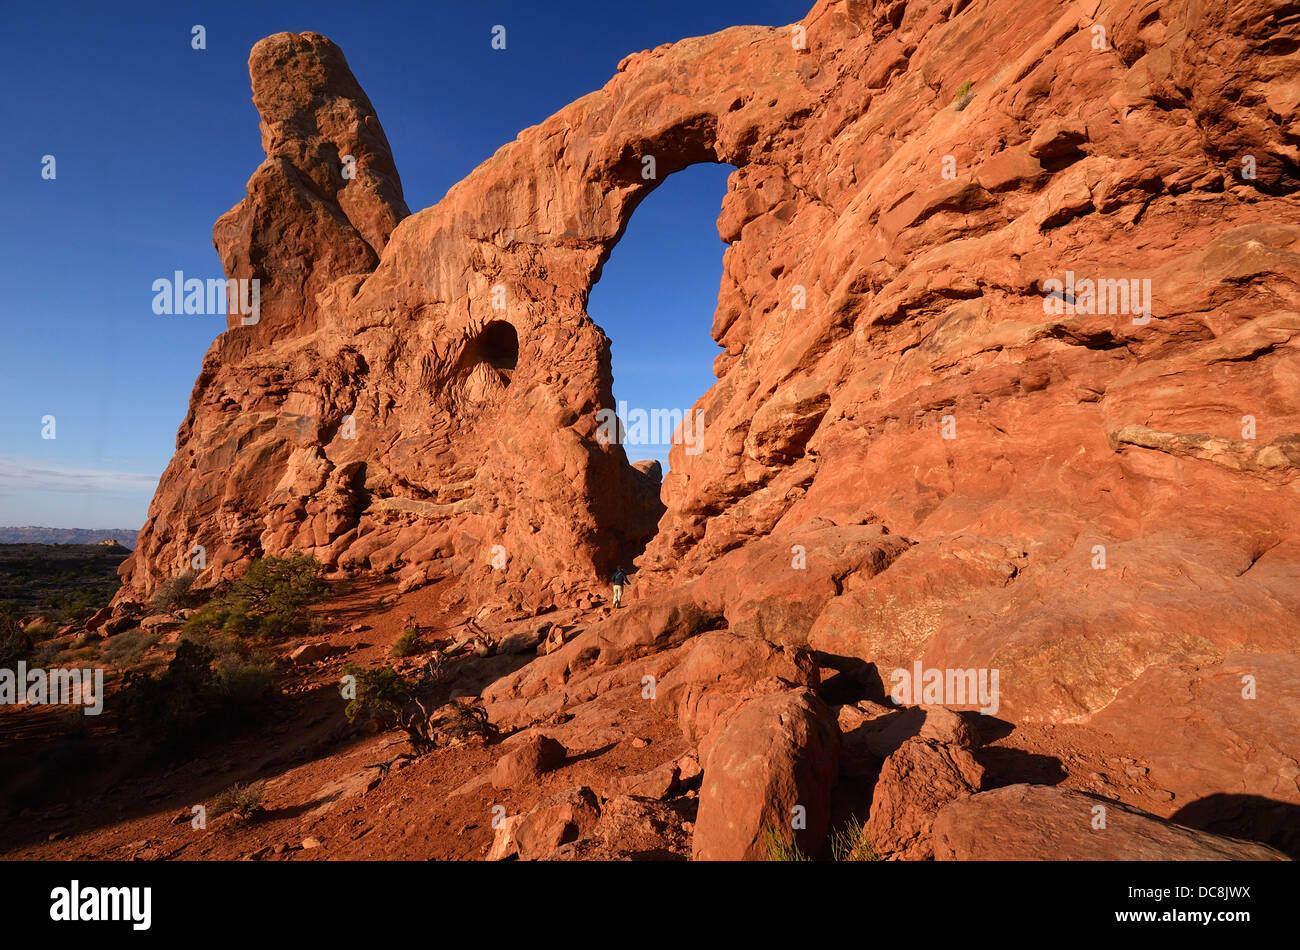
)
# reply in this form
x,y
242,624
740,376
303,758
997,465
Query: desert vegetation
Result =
x,y
389,700
269,602
221,674
60,582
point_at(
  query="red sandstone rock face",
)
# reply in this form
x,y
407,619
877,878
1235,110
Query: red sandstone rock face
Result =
x,y
415,428
908,454
326,199
1037,822
722,671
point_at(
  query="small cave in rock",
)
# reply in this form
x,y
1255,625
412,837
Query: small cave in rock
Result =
x,y
486,365
497,345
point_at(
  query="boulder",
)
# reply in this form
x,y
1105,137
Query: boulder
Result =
x,y
917,779
554,640
155,622
871,732
521,641
657,784
769,771
948,726
651,625
314,652
527,759
557,820
115,625
632,828
504,843
721,671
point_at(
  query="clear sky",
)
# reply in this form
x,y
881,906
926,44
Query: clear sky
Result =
x,y
153,140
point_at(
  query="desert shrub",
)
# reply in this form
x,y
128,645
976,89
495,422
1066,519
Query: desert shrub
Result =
x,y
392,701
242,800
176,592
243,677
192,698
45,655
242,683
850,843
465,720
965,93
15,642
781,846
381,695
269,601
171,705
125,649
407,644
42,631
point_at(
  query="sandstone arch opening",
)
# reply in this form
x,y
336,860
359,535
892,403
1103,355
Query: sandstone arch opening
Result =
x,y
654,298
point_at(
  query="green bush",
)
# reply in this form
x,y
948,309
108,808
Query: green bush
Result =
x,y
243,800
170,706
465,720
393,702
407,644
242,682
381,694
850,843
965,93
269,601
191,698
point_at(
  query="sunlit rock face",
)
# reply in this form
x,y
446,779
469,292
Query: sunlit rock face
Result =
x,y
1009,310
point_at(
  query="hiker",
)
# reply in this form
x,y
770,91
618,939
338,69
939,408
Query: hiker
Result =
x,y
618,580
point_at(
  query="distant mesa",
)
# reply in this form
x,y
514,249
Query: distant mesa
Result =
x,y
109,537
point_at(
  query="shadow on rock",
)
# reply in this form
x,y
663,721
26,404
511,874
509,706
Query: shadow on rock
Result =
x,y
1251,817
1015,766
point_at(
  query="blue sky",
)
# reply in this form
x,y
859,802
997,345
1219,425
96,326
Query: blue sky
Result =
x,y
153,140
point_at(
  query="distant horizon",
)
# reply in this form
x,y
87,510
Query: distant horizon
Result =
x,y
60,527
53,535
